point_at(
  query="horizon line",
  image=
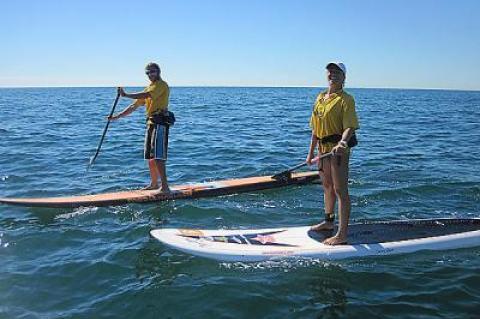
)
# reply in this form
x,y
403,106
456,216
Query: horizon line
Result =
x,y
237,86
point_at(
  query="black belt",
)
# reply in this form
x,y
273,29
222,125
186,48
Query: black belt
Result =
x,y
335,138
162,118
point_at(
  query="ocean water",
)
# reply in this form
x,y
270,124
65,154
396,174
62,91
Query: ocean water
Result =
x,y
418,157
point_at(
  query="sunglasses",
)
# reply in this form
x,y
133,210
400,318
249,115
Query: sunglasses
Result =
x,y
151,72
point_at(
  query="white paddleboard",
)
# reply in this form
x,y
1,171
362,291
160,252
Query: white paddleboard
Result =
x,y
365,239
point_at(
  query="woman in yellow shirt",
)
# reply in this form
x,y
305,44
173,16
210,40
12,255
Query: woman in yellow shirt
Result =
x,y
333,123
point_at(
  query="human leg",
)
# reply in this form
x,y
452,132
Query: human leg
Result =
x,y
153,174
160,155
149,147
328,196
156,146
339,173
161,170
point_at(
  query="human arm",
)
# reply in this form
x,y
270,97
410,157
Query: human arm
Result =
x,y
311,150
349,122
138,95
129,109
342,145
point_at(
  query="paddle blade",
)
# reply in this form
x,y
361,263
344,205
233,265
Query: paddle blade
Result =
x,y
90,162
286,175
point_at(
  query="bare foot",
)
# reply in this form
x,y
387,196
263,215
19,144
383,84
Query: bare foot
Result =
x,y
322,226
151,186
163,190
335,240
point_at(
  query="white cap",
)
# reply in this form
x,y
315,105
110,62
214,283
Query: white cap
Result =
x,y
340,65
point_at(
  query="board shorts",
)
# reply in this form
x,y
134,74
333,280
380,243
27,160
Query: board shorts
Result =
x,y
156,142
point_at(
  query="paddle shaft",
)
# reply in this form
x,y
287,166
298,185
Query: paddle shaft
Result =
x,y
288,171
104,132
291,169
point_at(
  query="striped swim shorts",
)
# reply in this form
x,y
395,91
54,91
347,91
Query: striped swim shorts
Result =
x,y
156,142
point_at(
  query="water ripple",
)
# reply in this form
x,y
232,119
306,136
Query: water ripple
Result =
x,y
411,162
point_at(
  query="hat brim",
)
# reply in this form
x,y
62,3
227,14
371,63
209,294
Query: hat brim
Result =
x,y
334,65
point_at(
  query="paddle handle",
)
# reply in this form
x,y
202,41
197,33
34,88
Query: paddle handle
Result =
x,y
92,159
318,158
315,160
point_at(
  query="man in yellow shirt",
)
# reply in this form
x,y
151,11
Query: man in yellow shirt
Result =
x,y
155,98
334,121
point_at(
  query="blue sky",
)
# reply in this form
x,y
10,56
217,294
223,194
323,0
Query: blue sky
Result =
x,y
400,44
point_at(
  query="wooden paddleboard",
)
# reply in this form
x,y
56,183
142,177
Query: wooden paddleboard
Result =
x,y
365,239
209,189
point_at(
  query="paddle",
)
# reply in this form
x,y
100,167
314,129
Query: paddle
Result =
x,y
92,159
287,173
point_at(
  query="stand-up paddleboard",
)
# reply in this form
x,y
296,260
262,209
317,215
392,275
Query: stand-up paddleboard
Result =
x,y
366,239
210,189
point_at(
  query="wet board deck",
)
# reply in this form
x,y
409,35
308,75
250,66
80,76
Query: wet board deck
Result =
x,y
365,239
209,189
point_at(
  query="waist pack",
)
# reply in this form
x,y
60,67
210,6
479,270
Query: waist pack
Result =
x,y
335,138
167,118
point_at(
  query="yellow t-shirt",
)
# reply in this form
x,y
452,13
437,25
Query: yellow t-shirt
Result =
x,y
333,116
159,92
